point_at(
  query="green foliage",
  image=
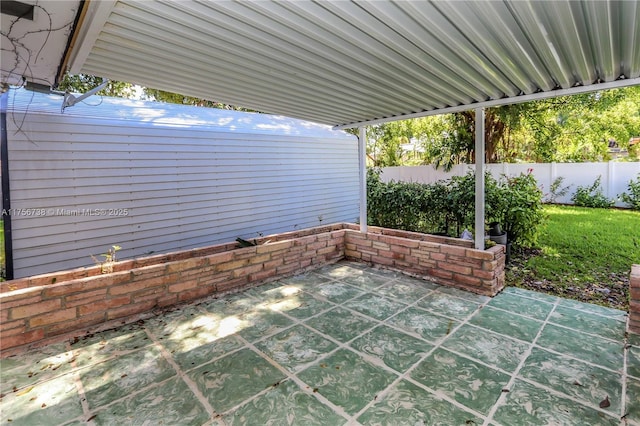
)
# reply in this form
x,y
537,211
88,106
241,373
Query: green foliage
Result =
x,y
556,190
564,129
448,207
632,197
591,196
82,83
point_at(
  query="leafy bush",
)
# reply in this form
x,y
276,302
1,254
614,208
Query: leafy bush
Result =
x,y
591,196
556,190
632,198
447,207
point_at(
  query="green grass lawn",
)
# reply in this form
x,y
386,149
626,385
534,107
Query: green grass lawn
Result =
x,y
584,253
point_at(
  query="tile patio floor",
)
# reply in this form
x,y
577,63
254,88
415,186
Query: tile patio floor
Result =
x,y
341,345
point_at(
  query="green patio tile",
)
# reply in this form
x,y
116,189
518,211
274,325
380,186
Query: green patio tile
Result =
x,y
296,347
423,323
234,378
285,404
273,291
595,350
115,378
632,403
306,281
300,306
27,369
347,380
366,281
52,402
408,404
471,384
232,304
95,348
594,309
574,378
336,292
341,324
342,269
406,290
527,405
633,361
447,305
491,348
544,297
633,339
536,309
610,328
170,403
197,338
377,307
463,294
255,325
507,323
397,350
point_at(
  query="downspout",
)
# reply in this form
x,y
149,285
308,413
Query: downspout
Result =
x,y
362,166
479,150
6,196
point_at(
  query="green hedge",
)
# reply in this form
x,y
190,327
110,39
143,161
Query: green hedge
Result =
x,y
447,207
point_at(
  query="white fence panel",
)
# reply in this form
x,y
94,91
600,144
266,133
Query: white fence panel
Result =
x,y
614,176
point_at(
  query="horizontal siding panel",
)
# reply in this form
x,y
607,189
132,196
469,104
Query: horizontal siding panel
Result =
x,y
183,185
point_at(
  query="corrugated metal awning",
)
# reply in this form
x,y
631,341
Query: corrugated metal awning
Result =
x,y
348,62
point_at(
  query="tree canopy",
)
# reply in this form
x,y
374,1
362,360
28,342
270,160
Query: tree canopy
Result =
x,y
565,129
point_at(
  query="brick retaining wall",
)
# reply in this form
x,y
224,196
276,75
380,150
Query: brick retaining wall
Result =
x,y
46,307
634,303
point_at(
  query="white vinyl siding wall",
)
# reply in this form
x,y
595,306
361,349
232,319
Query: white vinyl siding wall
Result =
x,y
187,177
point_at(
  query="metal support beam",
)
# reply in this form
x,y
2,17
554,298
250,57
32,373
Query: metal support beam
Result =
x,y
362,158
479,150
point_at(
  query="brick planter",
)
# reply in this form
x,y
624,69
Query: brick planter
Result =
x,y
43,308
634,304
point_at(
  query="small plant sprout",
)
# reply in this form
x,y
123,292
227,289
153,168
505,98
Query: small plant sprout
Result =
x,y
106,265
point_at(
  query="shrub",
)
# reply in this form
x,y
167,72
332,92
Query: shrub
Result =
x,y
591,196
556,190
447,207
632,198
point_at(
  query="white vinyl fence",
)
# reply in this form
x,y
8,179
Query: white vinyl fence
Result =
x,y
615,176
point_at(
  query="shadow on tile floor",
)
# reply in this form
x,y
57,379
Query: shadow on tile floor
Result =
x,y
345,344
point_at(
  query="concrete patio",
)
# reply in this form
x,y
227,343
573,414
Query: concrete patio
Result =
x,y
345,344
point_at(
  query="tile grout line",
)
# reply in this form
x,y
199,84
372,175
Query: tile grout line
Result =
x,y
514,375
80,387
182,375
293,377
436,345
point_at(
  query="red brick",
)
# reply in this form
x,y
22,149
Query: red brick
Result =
x,y
479,254
135,286
271,247
196,293
467,280
483,274
76,324
35,309
327,250
53,317
426,263
315,246
22,338
8,325
441,274
228,285
167,300
381,260
187,264
490,265
103,305
260,258
180,287
227,266
352,254
129,310
245,271
262,275
220,257
457,251
21,301
431,247
635,293
86,284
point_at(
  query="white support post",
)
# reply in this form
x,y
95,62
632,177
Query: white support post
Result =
x,y
362,157
479,150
